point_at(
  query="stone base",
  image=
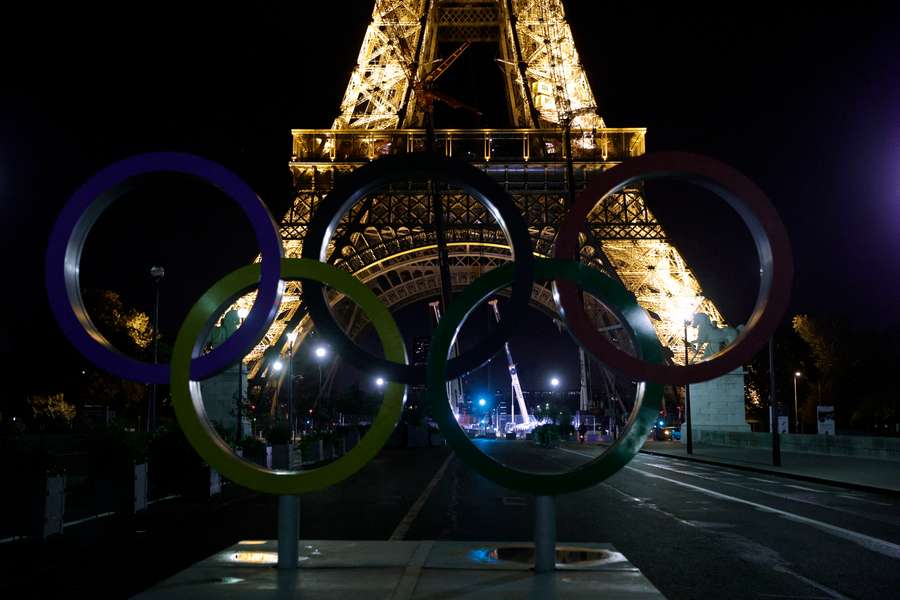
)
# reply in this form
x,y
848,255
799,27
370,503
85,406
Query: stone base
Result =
x,y
349,569
718,404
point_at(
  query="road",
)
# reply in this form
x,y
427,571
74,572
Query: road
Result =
x,y
694,530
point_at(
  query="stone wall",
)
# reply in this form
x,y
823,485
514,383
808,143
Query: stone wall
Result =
x,y
859,446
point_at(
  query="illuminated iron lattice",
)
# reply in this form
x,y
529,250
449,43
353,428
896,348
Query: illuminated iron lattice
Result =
x,y
388,239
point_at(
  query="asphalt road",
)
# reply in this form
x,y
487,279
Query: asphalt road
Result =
x,y
694,530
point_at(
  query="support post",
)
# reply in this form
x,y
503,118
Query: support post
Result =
x,y
773,407
687,396
544,534
288,531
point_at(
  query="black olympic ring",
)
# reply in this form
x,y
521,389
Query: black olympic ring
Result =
x,y
371,177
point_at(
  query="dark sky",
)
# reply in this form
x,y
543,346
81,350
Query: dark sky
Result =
x,y
805,103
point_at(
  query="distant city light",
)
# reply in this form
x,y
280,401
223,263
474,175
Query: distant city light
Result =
x,y
321,352
277,366
482,402
554,382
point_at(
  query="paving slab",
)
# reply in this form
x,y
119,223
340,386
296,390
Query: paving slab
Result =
x,y
408,570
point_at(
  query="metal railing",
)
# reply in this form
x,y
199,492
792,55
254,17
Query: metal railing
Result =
x,y
476,145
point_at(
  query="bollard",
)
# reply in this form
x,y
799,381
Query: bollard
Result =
x,y
288,531
544,534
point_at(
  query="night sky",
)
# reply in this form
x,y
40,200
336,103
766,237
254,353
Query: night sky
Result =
x,y
807,104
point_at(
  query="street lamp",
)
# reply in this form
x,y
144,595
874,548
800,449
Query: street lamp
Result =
x,y
320,353
797,375
291,338
157,273
687,391
482,402
379,381
242,314
554,381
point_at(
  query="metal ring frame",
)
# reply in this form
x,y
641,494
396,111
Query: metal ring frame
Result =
x,y
757,212
81,213
188,365
401,168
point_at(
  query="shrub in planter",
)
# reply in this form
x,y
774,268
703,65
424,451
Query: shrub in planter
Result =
x,y
311,447
254,450
278,434
113,456
279,437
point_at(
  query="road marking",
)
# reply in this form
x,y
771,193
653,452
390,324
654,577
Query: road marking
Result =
x,y
763,480
788,497
403,527
858,499
822,588
805,489
874,544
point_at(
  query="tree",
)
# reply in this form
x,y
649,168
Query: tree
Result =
x,y
51,411
130,331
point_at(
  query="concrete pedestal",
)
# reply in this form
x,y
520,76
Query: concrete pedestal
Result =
x,y
334,570
220,398
717,405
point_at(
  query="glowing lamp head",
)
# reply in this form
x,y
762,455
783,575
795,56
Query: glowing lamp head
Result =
x,y
292,337
321,352
482,402
798,374
379,381
243,312
554,381
277,366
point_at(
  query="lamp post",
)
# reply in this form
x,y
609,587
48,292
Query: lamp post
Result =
x,y
239,429
797,375
687,393
320,353
157,273
291,337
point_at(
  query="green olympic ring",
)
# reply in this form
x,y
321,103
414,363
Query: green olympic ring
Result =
x,y
188,402
647,402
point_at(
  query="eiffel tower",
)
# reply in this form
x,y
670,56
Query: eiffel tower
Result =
x,y
557,142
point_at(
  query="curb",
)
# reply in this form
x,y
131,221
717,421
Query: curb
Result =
x,y
769,471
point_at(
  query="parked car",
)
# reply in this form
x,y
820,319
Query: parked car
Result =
x,y
671,433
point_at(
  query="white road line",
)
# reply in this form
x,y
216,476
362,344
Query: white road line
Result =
x,y
805,489
822,588
763,480
789,497
403,527
858,499
874,544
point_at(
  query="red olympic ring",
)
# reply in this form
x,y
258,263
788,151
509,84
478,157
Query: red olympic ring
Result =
x,y
757,212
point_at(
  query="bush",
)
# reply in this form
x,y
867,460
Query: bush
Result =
x,y
252,447
279,434
114,451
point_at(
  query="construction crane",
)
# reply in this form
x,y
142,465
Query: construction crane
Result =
x,y
516,386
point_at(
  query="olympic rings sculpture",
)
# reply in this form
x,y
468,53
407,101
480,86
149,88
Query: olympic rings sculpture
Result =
x,y
189,364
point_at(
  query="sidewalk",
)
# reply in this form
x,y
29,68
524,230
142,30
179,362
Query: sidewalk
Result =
x,y
880,476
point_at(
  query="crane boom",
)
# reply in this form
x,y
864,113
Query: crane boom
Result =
x,y
517,387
